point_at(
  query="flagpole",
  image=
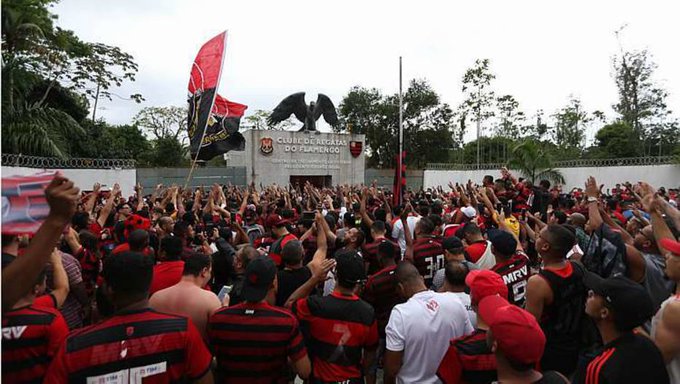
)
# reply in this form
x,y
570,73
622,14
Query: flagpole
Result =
x,y
401,138
200,144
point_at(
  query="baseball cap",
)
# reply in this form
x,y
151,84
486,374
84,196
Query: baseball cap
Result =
x,y
350,267
502,241
260,274
671,245
452,242
516,331
276,221
630,301
483,283
469,212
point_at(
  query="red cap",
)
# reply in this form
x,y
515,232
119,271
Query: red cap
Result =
x,y
671,245
275,221
516,331
483,283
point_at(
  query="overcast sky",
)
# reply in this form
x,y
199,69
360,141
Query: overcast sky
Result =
x,y
540,51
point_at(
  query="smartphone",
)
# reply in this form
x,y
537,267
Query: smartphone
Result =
x,y
524,214
226,289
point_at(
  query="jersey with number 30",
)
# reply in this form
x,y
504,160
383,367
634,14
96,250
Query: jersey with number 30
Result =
x,y
515,273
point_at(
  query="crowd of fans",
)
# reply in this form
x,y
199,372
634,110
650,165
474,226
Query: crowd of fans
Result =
x,y
499,282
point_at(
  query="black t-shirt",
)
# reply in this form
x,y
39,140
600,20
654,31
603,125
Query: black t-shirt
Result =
x,y
631,359
289,281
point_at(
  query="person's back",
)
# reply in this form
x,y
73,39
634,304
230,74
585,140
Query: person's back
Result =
x,y
515,272
136,342
294,274
253,341
425,321
187,297
562,319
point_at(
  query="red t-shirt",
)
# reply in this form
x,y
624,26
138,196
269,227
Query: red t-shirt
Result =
x,y
166,274
158,347
48,301
126,247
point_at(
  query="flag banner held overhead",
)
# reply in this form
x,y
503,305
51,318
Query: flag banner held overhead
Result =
x,y
24,206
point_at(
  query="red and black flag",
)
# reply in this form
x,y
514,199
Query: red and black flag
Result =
x,y
399,180
213,120
24,206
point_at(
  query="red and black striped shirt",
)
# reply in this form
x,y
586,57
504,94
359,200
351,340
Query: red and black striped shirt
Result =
x,y
337,329
277,248
515,273
468,360
370,254
253,341
132,345
31,337
428,257
381,293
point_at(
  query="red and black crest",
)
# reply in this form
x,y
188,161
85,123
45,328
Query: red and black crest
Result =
x,y
266,145
355,148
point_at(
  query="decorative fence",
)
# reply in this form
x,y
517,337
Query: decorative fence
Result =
x,y
12,160
562,164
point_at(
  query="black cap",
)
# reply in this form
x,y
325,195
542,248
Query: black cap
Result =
x,y
259,276
503,241
629,300
350,267
452,242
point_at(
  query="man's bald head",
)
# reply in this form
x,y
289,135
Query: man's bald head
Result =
x,y
407,274
577,219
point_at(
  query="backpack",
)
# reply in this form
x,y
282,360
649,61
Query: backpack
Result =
x,y
605,254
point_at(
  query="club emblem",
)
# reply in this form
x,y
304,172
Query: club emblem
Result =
x,y
266,145
355,148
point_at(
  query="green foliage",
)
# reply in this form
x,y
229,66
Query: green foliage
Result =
x,y
570,122
168,152
492,150
163,122
510,116
616,140
43,131
258,120
428,124
479,98
532,161
112,142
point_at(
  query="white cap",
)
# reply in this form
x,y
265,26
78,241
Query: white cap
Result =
x,y
469,212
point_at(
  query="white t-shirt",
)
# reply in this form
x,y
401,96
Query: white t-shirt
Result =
x,y
398,231
467,303
422,328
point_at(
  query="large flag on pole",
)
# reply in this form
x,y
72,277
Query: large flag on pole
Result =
x,y
399,179
213,120
24,206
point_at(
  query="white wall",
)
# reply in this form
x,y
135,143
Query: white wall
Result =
x,y
85,178
666,175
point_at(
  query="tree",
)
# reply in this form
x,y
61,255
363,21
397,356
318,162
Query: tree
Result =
x,y
258,120
569,131
168,152
428,124
617,140
492,149
478,95
532,161
47,74
163,122
641,100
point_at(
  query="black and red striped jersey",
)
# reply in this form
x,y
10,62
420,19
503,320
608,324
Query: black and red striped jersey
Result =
x,y
132,345
31,337
337,329
428,257
253,342
381,293
468,360
370,255
515,273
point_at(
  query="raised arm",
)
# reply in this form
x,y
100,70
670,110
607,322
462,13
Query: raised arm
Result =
x,y
593,191
408,254
92,198
108,207
362,210
59,277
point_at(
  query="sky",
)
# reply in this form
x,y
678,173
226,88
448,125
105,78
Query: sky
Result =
x,y
541,52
